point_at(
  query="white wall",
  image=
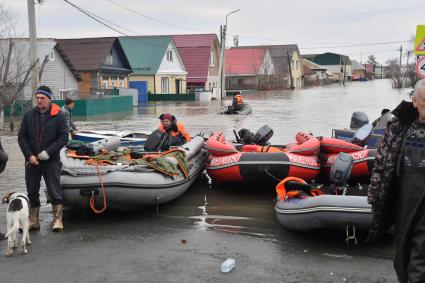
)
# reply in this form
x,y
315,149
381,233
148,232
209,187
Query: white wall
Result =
x,y
172,67
57,76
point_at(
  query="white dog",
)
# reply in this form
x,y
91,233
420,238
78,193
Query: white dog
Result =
x,y
17,214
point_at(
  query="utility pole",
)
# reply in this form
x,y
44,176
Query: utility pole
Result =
x,y
223,30
407,65
401,53
382,70
221,62
291,79
33,46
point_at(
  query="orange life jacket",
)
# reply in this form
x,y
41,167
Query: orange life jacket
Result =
x,y
181,131
283,194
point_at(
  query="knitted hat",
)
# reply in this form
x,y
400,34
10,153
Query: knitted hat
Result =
x,y
69,101
45,90
166,116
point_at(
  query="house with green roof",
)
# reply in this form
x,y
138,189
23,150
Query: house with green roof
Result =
x,y
156,64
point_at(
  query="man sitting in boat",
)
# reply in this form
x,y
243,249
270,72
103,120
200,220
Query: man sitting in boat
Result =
x,y
237,102
175,130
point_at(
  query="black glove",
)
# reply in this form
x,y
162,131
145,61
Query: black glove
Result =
x,y
172,128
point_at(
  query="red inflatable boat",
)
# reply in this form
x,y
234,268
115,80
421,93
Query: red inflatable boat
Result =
x,y
230,163
363,161
236,162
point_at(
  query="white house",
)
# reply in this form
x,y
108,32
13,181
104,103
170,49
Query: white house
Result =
x,y
56,71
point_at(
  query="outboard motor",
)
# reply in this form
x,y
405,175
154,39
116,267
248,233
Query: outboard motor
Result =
x,y
362,135
341,169
263,134
358,119
157,140
245,136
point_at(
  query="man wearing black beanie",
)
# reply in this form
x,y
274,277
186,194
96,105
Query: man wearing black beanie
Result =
x,y
43,133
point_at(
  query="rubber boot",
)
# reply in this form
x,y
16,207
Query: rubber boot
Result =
x,y
33,221
57,213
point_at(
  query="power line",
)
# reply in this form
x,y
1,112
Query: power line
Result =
x,y
121,27
358,45
334,46
94,18
152,18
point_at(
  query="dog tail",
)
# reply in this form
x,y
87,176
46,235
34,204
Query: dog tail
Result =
x,y
15,227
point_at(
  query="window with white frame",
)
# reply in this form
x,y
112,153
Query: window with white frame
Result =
x,y
164,85
212,61
170,55
52,56
122,80
296,65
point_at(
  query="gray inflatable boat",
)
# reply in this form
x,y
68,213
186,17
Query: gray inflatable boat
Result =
x,y
325,211
128,187
338,206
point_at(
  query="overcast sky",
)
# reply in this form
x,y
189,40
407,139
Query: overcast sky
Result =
x,y
329,24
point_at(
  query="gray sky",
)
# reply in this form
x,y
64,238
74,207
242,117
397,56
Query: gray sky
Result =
x,y
310,24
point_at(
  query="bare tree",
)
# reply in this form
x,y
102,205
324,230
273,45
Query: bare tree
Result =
x,y
393,72
15,64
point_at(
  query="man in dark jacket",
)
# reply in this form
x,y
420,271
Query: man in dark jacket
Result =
x,y
3,161
42,134
397,187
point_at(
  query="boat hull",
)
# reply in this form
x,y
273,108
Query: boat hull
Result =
x,y
260,166
325,211
247,109
128,187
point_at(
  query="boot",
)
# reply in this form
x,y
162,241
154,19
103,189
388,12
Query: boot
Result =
x,y
57,213
33,223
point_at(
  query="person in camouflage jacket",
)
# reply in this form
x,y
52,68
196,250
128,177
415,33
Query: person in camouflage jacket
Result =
x,y
382,187
385,194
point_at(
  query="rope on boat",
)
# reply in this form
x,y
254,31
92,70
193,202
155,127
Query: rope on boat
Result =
x,y
92,199
271,175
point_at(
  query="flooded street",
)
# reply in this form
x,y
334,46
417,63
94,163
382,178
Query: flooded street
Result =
x,y
192,235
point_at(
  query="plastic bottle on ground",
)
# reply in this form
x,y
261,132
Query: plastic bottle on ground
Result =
x,y
227,265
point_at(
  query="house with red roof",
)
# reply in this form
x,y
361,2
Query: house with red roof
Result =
x,y
247,68
200,55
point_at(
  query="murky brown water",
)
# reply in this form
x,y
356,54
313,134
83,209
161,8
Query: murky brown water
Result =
x,y
241,209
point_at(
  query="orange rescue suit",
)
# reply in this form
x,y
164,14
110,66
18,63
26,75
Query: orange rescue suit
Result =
x,y
181,131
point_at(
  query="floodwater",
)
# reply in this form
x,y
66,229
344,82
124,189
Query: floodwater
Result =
x,y
242,210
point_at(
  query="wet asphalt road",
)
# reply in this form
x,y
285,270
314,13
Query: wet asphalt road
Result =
x,y
144,246
187,239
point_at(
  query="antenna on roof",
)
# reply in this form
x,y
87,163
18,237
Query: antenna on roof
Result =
x,y
236,40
